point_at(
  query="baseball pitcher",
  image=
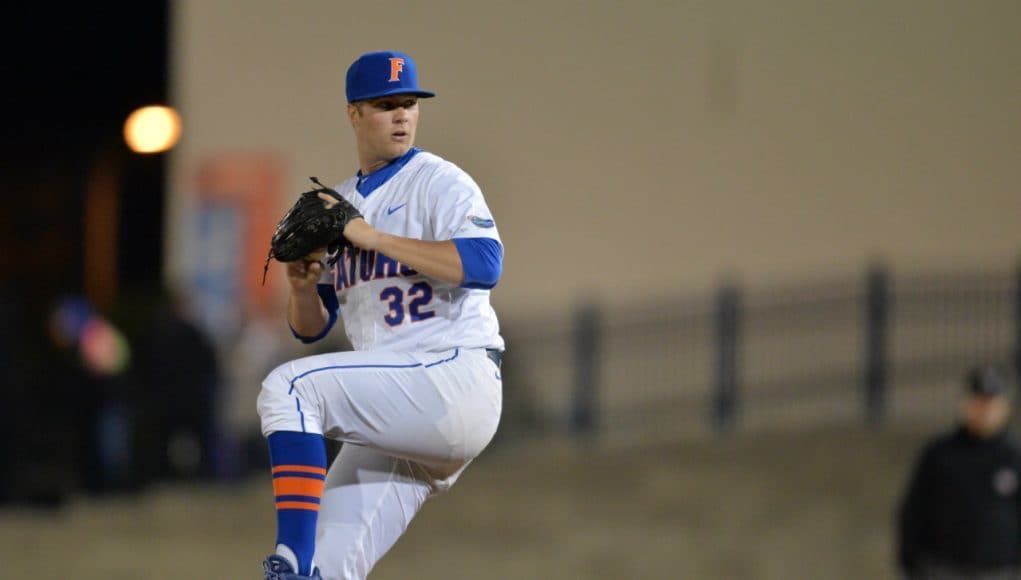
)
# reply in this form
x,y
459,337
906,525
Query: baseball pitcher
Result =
x,y
406,252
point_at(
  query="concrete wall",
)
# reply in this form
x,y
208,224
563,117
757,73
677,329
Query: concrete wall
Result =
x,y
634,149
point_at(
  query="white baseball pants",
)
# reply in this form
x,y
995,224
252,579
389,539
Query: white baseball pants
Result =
x,y
411,423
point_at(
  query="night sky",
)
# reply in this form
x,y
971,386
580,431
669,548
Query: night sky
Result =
x,y
73,72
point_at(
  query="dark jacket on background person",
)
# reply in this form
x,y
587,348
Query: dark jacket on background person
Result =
x,y
962,507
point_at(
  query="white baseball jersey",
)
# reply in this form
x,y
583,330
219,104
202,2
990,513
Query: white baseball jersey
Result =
x,y
385,304
419,391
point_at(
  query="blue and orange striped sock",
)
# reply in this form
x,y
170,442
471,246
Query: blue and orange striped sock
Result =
x,y
299,473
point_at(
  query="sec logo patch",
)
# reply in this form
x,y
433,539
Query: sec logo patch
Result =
x,y
481,222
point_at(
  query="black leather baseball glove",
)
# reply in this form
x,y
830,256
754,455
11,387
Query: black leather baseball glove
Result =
x,y
310,229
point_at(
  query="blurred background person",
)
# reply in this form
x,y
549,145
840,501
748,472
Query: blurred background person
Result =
x,y
86,372
961,516
179,372
251,357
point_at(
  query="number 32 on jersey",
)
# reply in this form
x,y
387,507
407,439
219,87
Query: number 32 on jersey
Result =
x,y
419,296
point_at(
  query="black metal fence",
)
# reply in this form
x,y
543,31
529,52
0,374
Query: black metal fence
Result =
x,y
877,348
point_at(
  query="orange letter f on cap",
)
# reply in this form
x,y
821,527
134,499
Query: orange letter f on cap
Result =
x,y
396,67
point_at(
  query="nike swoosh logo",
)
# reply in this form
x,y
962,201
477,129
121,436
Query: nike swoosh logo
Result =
x,y
391,210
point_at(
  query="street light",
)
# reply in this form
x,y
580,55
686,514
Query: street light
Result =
x,y
152,129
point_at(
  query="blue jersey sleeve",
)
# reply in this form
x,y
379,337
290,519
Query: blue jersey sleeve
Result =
x,y
482,259
329,297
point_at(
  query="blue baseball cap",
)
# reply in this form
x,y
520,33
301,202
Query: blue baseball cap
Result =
x,y
378,74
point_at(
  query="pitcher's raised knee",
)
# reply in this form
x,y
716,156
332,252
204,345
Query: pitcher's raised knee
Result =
x,y
285,408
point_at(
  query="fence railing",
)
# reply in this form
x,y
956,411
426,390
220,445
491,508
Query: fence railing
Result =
x,y
877,348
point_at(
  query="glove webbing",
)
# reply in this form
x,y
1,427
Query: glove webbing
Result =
x,y
322,189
